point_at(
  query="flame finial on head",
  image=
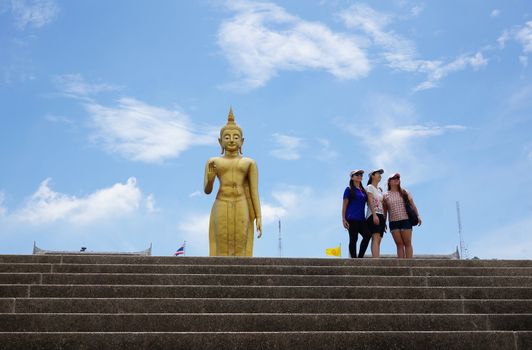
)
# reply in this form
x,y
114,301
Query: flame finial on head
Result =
x,y
231,116
231,124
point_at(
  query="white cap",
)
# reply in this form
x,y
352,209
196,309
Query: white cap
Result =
x,y
394,175
356,171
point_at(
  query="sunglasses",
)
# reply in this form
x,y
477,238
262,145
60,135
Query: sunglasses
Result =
x,y
357,174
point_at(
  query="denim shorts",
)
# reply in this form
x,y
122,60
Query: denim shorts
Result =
x,y
400,225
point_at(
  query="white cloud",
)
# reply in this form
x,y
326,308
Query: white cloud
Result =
x,y
289,202
519,247
150,204
523,60
3,209
440,71
495,13
416,10
324,151
527,149
521,34
195,230
34,13
394,139
397,147
271,213
287,147
141,132
133,129
400,53
194,194
58,119
292,202
47,206
290,147
524,36
262,39
503,39
74,85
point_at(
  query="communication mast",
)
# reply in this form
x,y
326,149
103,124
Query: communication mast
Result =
x,y
280,240
463,249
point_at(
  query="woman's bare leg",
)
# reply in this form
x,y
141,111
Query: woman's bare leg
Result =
x,y
396,234
406,235
375,245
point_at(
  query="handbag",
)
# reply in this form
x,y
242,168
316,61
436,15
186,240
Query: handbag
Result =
x,y
412,216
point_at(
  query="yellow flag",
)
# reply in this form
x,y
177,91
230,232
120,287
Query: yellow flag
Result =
x,y
336,251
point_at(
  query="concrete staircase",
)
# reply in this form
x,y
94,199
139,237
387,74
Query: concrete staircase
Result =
x,y
124,302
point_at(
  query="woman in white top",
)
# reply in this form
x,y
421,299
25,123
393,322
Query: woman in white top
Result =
x,y
375,217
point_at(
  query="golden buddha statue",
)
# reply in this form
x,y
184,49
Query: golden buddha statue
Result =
x,y
237,205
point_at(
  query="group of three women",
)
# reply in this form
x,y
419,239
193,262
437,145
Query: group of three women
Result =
x,y
371,223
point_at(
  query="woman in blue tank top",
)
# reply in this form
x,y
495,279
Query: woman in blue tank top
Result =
x,y
353,214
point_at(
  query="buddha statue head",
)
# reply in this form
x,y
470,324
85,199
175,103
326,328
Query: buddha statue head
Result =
x,y
231,136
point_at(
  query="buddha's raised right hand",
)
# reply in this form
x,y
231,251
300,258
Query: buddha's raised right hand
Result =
x,y
211,172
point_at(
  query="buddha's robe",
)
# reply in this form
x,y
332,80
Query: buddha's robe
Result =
x,y
232,215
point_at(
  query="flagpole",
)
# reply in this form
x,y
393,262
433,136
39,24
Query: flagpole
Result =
x,y
184,248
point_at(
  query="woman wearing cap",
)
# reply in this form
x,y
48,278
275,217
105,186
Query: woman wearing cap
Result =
x,y
353,218
375,212
400,226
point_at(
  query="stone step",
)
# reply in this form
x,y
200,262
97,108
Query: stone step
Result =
x,y
279,303
14,291
171,260
25,267
261,322
210,291
262,280
417,340
241,305
266,270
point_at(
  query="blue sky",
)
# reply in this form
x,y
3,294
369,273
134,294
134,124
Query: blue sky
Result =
x,y
109,111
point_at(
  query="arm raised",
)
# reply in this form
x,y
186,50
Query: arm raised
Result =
x,y
210,175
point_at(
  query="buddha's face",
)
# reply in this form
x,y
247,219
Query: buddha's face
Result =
x,y
231,140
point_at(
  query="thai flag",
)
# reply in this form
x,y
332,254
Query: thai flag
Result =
x,y
180,251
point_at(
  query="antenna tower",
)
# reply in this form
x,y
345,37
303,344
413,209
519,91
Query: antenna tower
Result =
x,y
280,241
463,249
